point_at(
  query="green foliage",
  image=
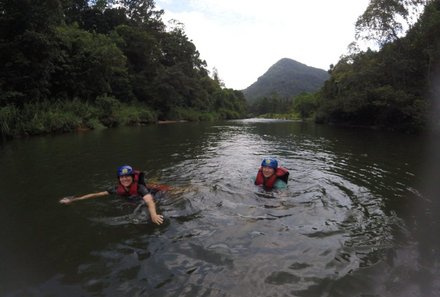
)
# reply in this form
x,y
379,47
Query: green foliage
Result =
x,y
305,104
87,64
135,114
270,105
192,115
142,13
208,116
8,115
383,21
46,117
281,116
108,107
65,116
27,51
389,88
228,114
180,113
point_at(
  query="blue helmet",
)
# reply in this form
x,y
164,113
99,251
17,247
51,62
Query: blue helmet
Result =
x,y
125,170
270,163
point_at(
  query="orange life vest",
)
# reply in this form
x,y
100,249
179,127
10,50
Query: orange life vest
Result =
x,y
281,173
138,178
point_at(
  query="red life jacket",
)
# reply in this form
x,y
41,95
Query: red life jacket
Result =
x,y
281,173
138,178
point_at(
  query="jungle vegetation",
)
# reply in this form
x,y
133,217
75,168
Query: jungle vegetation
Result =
x,y
391,88
69,64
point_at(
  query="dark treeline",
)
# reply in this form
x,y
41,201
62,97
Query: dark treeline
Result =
x,y
301,106
390,88
68,64
274,104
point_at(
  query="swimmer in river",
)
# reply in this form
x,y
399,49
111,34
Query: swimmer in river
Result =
x,y
271,176
131,185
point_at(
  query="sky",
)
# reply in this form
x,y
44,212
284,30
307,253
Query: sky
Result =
x,y
243,38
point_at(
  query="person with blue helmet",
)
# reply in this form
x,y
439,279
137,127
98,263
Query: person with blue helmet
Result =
x,y
271,176
131,185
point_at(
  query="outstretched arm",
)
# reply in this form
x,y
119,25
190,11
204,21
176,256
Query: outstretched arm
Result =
x,y
157,219
68,200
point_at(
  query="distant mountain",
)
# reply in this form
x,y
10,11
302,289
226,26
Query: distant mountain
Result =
x,y
286,78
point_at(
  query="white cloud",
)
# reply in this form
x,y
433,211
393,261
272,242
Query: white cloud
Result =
x,y
243,38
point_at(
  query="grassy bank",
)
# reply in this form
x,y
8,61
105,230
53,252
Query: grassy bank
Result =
x,y
279,116
67,116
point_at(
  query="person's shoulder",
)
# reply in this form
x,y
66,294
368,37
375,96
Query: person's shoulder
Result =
x,y
280,184
143,190
111,189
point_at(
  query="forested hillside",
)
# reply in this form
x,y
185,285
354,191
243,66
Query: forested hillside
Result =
x,y
285,79
68,64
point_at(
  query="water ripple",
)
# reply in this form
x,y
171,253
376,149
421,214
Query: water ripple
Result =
x,y
339,229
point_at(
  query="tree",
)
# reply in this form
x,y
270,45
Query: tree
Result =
x,y
216,77
27,52
386,88
74,11
384,20
87,54
89,65
305,104
142,13
142,51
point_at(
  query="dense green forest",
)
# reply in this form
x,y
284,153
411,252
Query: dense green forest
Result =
x,y
391,88
79,64
70,64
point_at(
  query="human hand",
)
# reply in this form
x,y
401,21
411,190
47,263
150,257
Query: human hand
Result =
x,y
157,219
66,200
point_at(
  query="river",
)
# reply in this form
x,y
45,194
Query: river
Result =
x,y
354,220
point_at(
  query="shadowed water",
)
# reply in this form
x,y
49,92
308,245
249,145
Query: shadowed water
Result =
x,y
346,225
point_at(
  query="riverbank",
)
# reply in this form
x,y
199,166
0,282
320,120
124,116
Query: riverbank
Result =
x,y
44,118
283,116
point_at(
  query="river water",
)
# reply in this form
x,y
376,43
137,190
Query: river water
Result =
x,y
354,220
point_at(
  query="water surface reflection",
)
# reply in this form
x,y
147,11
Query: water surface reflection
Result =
x,y
340,229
